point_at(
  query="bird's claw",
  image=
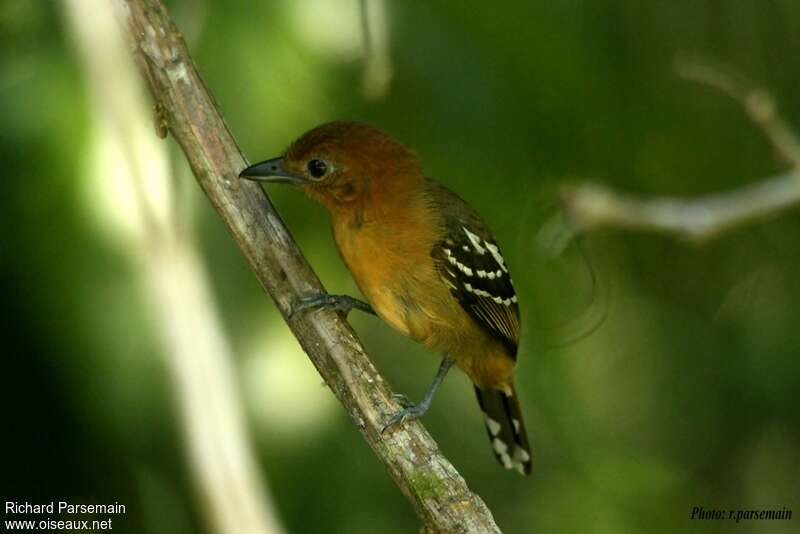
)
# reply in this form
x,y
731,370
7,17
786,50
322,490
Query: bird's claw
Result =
x,y
308,302
402,400
409,413
342,303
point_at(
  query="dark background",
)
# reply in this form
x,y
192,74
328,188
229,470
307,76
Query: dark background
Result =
x,y
686,395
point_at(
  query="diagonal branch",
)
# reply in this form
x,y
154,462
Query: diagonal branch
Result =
x,y
173,278
432,485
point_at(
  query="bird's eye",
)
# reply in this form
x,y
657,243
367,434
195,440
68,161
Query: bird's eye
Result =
x,y
317,168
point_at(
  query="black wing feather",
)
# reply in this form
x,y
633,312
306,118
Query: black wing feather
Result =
x,y
470,263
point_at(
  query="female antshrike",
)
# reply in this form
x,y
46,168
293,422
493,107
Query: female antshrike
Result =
x,y
423,258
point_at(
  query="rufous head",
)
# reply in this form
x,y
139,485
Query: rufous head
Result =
x,y
341,164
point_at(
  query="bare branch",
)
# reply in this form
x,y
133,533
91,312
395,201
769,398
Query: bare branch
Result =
x,y
591,206
758,104
220,454
432,485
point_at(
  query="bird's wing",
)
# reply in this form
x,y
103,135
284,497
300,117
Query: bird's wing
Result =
x,y
471,264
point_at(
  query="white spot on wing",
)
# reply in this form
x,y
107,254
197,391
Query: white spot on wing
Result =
x,y
475,240
496,255
482,293
454,261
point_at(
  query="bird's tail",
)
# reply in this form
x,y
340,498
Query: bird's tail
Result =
x,y
506,429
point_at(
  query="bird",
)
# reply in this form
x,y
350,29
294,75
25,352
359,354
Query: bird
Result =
x,y
425,261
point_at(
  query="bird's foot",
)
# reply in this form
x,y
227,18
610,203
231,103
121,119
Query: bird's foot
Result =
x,y
402,400
409,412
343,303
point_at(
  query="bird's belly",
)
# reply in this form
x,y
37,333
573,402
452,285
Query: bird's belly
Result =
x,y
397,285
389,306
395,298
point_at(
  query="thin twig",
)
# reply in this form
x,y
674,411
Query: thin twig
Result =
x,y
757,103
432,485
591,206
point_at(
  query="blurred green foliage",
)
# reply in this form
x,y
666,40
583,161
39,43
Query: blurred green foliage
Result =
x,y
685,396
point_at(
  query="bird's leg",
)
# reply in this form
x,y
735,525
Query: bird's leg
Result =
x,y
415,411
343,303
